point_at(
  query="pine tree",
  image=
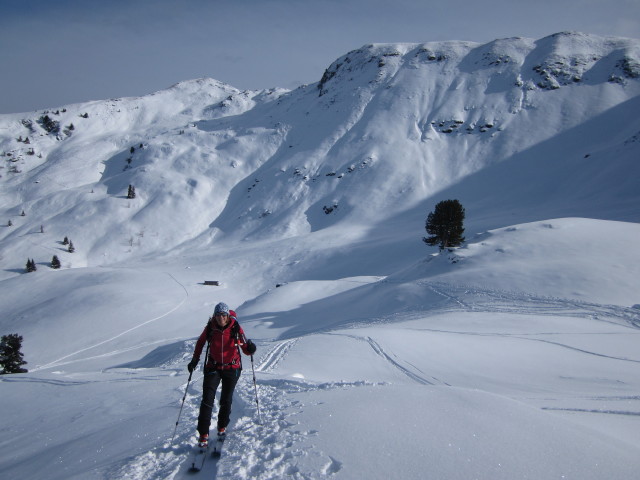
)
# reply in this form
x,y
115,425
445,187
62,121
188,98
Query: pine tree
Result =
x,y
55,262
65,241
132,192
71,247
50,125
31,265
445,225
10,355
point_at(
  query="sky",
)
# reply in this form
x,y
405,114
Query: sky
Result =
x,y
71,51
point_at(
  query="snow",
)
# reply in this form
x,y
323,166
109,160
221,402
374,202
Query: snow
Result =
x,y
512,357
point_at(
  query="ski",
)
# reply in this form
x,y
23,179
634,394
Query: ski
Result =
x,y
199,457
217,447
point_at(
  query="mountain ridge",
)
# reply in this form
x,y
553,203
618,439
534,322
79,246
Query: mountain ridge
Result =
x,y
386,129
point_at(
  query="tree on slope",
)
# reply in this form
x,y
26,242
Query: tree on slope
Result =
x,y
31,266
10,355
445,225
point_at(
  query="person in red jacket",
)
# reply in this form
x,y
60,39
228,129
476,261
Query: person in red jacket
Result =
x,y
224,337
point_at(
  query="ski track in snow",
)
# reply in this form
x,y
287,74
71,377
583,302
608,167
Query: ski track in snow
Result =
x,y
585,410
378,349
273,357
409,372
252,449
271,449
474,299
492,301
60,361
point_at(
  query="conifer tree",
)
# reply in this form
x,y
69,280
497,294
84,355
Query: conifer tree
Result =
x,y
55,262
132,192
71,247
31,265
10,355
445,225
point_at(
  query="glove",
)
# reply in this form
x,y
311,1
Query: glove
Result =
x,y
251,347
192,365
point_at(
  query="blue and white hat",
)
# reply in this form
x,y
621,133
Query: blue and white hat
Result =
x,y
221,308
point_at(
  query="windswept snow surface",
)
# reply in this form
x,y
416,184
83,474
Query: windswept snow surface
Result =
x,y
516,356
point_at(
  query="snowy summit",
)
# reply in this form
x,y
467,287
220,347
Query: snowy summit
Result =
x,y
514,356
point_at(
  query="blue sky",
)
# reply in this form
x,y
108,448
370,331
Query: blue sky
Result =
x,y
69,51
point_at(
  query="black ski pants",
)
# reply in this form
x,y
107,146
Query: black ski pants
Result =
x,y
213,378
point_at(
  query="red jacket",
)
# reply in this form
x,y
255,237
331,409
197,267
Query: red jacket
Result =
x,y
223,351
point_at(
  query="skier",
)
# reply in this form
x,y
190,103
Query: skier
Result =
x,y
223,364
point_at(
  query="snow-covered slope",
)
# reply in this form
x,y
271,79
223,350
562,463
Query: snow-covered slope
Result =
x,y
514,356
387,129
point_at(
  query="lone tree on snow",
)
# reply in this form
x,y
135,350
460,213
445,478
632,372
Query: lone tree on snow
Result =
x,y
31,265
10,355
132,192
445,225
55,262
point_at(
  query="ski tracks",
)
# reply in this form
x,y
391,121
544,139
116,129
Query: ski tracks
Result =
x,y
261,451
410,371
268,451
472,298
272,450
65,359
465,298
273,357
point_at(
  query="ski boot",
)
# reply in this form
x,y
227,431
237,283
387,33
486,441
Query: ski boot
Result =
x,y
203,440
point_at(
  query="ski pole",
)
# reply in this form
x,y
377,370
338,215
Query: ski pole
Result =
x,y
180,413
255,386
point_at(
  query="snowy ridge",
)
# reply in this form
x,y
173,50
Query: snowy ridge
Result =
x,y
513,356
410,120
